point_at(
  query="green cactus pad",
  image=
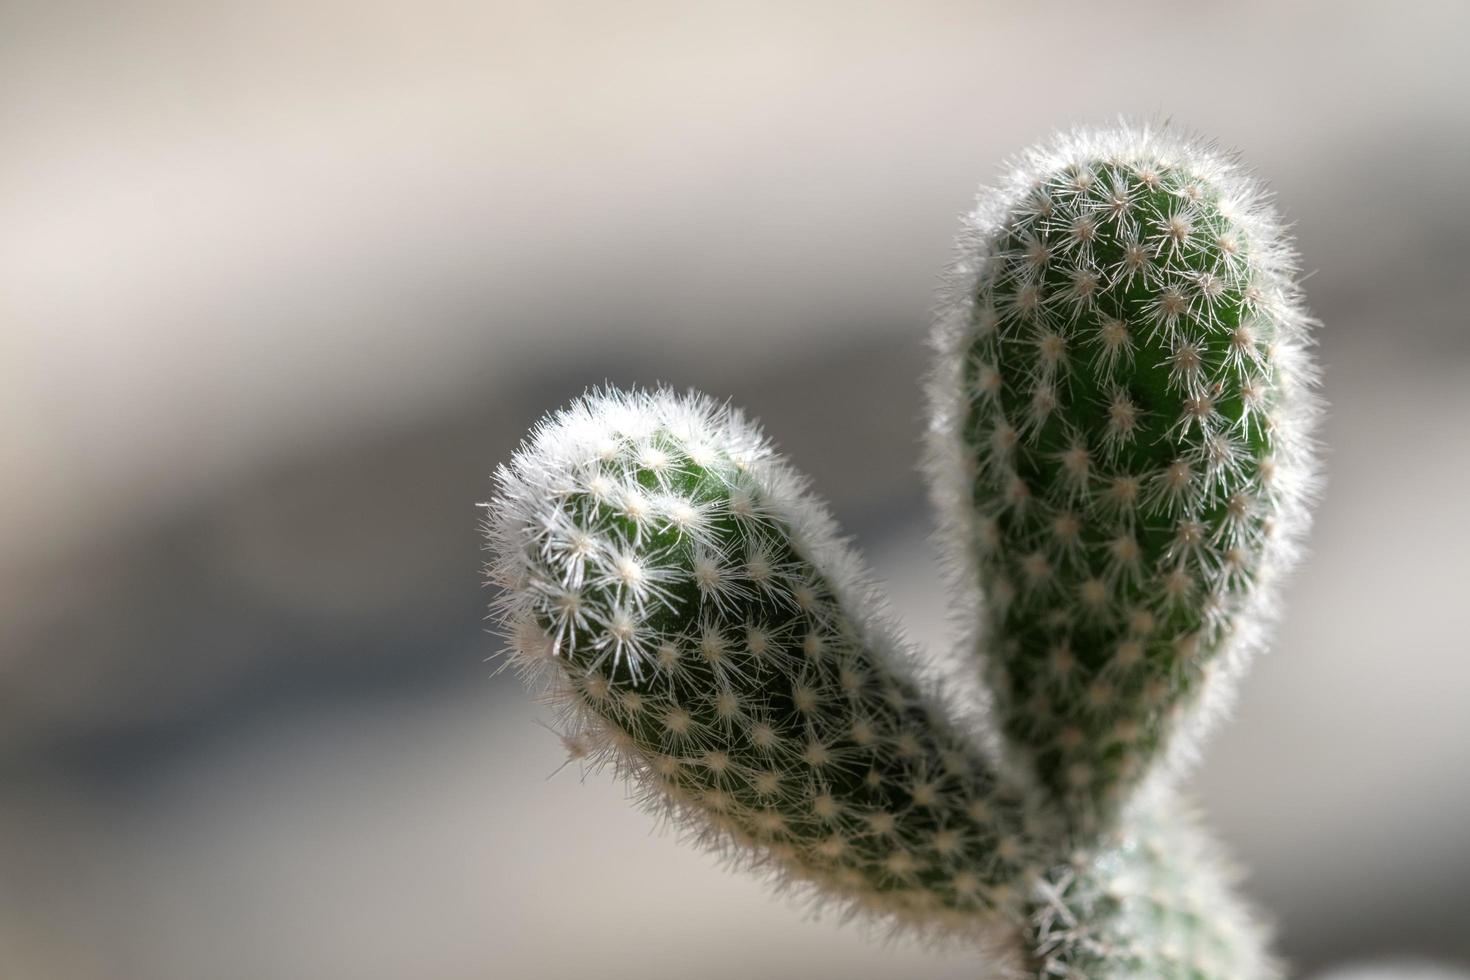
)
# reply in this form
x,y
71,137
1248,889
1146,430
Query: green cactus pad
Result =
x,y
704,627
1126,424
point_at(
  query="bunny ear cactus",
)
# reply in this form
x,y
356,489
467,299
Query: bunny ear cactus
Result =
x,y
1120,455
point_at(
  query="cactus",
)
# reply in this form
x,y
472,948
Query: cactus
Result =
x,y
1120,454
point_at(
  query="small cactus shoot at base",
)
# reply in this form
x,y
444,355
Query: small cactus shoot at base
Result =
x,y
1120,454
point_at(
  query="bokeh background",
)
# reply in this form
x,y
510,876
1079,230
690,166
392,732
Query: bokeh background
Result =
x,y
281,282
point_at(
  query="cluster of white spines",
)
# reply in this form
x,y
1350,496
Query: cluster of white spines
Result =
x,y
1121,444
690,608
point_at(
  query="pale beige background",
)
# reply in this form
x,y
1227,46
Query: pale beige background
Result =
x,y
281,282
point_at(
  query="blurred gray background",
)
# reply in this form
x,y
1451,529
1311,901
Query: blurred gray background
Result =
x,y
281,282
